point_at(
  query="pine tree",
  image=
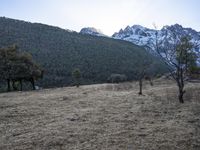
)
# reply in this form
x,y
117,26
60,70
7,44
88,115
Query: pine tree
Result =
x,y
77,75
16,66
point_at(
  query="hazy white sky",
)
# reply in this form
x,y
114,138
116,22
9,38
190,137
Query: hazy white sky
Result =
x,y
106,15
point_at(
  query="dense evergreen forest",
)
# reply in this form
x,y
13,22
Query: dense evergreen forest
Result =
x,y
60,51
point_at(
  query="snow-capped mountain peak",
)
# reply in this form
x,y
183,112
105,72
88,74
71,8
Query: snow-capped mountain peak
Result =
x,y
143,36
136,34
92,31
147,37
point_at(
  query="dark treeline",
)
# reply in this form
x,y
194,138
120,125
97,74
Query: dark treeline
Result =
x,y
59,52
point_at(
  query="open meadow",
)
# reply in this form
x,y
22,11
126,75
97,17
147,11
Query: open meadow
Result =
x,y
101,117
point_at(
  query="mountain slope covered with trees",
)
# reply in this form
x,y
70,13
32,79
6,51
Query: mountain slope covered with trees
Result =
x,y
60,51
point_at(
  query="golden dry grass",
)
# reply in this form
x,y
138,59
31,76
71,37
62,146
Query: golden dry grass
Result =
x,y
102,117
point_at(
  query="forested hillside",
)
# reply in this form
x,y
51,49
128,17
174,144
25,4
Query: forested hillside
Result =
x,y
60,51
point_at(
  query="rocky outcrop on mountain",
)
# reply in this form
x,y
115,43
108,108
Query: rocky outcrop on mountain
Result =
x,y
92,31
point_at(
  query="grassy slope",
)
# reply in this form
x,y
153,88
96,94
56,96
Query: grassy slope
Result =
x,y
102,116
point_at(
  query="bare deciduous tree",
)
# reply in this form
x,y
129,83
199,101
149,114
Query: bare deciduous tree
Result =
x,y
144,73
177,54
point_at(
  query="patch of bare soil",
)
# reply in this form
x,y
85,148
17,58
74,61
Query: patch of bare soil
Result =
x,y
101,117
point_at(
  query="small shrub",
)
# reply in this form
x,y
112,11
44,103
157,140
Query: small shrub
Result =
x,y
117,78
77,75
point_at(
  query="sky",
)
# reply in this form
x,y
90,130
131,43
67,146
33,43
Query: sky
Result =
x,y
107,15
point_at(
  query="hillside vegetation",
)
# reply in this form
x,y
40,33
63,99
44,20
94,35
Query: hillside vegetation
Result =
x,y
60,51
106,116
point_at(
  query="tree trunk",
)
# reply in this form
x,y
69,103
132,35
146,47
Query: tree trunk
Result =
x,y
33,83
77,83
8,83
140,84
20,84
181,93
181,98
180,82
151,82
181,87
14,86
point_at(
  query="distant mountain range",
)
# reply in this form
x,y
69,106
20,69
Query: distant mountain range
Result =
x,y
146,37
60,51
143,36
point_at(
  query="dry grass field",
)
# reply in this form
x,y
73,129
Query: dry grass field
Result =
x,y
101,117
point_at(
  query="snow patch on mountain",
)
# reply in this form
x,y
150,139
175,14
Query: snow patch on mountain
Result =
x,y
92,31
